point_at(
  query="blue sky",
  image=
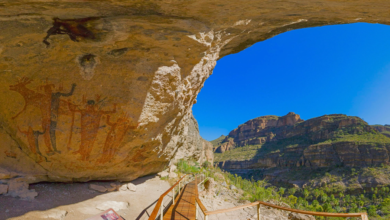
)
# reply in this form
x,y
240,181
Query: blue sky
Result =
x,y
312,72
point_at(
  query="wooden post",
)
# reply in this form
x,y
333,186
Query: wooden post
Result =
x,y
179,187
161,212
258,211
173,195
196,210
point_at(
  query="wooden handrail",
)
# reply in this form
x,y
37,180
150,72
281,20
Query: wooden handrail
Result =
x,y
325,214
159,202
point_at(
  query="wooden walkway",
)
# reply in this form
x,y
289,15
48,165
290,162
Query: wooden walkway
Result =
x,y
184,207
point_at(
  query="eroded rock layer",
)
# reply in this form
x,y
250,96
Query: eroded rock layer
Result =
x,y
288,141
104,89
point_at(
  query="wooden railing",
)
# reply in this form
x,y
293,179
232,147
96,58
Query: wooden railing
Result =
x,y
159,208
199,205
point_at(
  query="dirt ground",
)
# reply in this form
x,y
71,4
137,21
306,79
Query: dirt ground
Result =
x,y
80,202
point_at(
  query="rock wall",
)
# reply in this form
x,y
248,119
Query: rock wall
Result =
x,y
325,155
313,143
104,89
193,147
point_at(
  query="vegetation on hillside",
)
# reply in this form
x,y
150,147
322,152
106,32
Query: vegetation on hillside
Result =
x,y
355,134
325,198
218,141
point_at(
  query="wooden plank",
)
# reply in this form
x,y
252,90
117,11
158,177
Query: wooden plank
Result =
x,y
184,207
158,204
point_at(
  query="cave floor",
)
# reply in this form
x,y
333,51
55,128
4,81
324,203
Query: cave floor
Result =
x,y
80,202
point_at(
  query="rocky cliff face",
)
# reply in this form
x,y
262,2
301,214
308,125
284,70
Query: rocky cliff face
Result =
x,y
327,141
384,129
104,89
257,131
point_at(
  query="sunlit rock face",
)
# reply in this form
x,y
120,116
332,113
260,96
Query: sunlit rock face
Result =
x,y
104,89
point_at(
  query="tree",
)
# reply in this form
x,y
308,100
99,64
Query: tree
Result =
x,y
282,190
292,199
306,193
316,193
292,191
385,206
324,198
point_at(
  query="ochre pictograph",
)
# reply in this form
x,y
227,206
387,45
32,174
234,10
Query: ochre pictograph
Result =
x,y
90,123
30,97
32,138
50,100
49,103
115,137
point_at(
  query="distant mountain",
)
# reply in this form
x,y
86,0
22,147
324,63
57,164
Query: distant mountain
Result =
x,y
384,129
218,141
275,144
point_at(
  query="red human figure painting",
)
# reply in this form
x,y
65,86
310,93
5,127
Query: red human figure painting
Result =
x,y
32,139
115,137
90,123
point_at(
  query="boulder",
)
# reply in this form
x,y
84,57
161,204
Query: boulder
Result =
x,y
19,188
172,168
172,175
113,187
112,204
232,187
123,187
98,188
3,189
132,187
163,174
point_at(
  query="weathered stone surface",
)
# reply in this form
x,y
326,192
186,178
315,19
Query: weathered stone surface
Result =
x,y
98,188
104,90
112,204
55,214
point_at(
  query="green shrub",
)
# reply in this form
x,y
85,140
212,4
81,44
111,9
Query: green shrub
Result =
x,y
184,167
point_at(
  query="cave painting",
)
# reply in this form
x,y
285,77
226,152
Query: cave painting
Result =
x,y
115,136
49,104
90,124
32,138
55,104
52,104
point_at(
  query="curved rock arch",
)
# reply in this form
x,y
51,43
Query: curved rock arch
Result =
x,y
104,90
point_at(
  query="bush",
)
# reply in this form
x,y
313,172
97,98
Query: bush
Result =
x,y
206,165
184,167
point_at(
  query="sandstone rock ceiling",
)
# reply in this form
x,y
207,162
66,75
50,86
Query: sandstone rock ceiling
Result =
x,y
104,89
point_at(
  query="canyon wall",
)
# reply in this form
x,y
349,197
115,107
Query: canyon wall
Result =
x,y
104,89
326,141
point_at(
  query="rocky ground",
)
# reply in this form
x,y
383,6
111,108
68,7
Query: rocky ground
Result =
x,y
218,195
77,201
